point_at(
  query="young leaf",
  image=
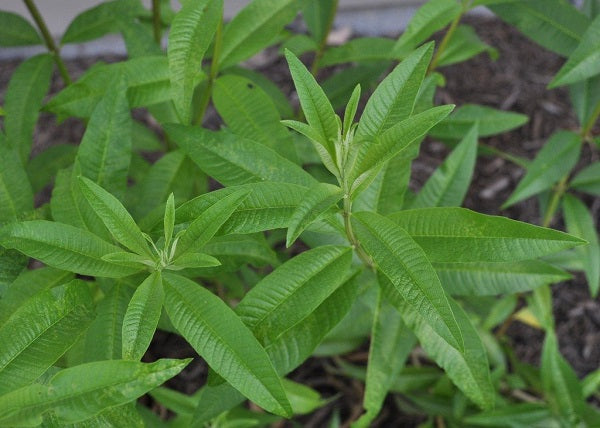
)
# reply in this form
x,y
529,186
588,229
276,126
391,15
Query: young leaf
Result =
x,y
61,315
588,180
350,111
400,137
169,220
116,218
16,197
394,99
203,228
100,20
141,317
26,90
191,33
391,342
63,246
17,31
558,156
449,183
461,235
317,200
72,395
232,160
194,260
580,223
584,62
315,105
105,150
468,368
254,28
406,266
293,291
554,24
491,278
490,122
129,259
220,337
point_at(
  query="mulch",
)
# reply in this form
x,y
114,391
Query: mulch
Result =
x,y
517,82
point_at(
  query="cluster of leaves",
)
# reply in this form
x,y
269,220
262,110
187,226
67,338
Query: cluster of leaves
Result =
x,y
154,248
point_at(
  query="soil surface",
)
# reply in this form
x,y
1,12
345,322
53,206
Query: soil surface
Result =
x,y
517,82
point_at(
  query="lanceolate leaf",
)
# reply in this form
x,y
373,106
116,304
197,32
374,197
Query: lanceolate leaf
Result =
x,y
17,31
63,246
317,16
16,197
481,279
317,200
254,28
221,338
585,96
142,317
580,223
26,89
293,291
361,49
394,99
315,105
105,150
584,62
116,218
553,161
406,266
588,180
73,395
233,160
461,235
40,331
202,229
191,33
449,183
467,368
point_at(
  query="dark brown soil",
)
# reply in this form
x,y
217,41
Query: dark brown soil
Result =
x,y
517,82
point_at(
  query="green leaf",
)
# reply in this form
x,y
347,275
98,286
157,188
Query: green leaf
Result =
x,y
232,160
391,343
520,415
72,395
43,168
16,197
303,399
580,223
461,235
463,45
399,138
585,96
556,159
100,20
316,201
26,90
293,291
191,34
193,260
141,317
203,228
17,31
588,180
63,246
394,99
490,121
429,18
407,268
251,113
41,331
359,49
554,24
350,110
449,183
318,14
105,150
169,220
220,337
584,62
491,278
254,28
115,217
129,259
241,249
315,105
468,368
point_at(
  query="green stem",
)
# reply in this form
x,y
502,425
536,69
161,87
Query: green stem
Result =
x,y
214,70
314,69
156,21
506,156
50,44
444,43
587,129
347,214
557,194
